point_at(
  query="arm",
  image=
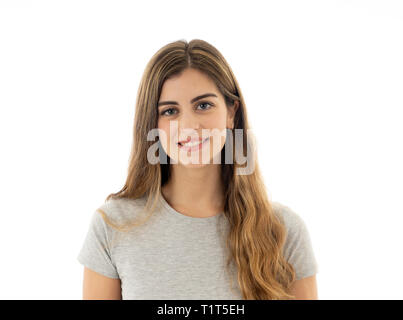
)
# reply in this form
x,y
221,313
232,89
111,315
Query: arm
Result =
x,y
99,287
305,289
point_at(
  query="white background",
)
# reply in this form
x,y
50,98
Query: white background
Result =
x,y
322,82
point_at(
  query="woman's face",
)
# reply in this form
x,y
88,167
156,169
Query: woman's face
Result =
x,y
183,117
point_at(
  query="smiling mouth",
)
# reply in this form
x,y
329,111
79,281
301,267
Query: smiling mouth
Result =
x,y
192,144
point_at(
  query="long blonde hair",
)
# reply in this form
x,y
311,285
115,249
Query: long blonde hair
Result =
x,y
256,236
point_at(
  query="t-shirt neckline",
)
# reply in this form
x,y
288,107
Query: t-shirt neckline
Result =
x,y
179,215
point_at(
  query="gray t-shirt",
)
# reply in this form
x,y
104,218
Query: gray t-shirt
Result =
x,y
177,257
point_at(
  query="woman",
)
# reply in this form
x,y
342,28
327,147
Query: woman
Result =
x,y
199,225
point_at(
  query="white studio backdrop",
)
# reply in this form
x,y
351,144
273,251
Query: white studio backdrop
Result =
x,y
322,82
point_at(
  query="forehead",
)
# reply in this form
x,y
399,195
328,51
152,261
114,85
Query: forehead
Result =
x,y
187,85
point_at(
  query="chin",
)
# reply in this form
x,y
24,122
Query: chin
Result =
x,y
187,162
194,166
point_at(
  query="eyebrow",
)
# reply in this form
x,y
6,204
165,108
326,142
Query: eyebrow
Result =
x,y
162,103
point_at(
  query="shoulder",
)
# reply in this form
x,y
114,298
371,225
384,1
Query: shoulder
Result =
x,y
297,249
298,237
288,216
121,210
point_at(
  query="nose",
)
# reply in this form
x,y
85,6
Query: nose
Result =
x,y
188,120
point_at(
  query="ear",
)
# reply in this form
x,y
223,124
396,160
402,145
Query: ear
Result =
x,y
231,114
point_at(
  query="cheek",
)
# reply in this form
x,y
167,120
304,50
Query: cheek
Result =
x,y
219,123
216,121
164,126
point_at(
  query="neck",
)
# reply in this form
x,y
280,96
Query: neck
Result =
x,y
198,191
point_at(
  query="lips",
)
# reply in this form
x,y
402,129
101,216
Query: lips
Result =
x,y
190,143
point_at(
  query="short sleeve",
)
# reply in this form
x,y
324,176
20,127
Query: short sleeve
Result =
x,y
95,253
298,250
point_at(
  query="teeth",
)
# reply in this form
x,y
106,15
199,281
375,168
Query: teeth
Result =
x,y
191,144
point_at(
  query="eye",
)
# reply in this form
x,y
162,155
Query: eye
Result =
x,y
163,113
206,103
